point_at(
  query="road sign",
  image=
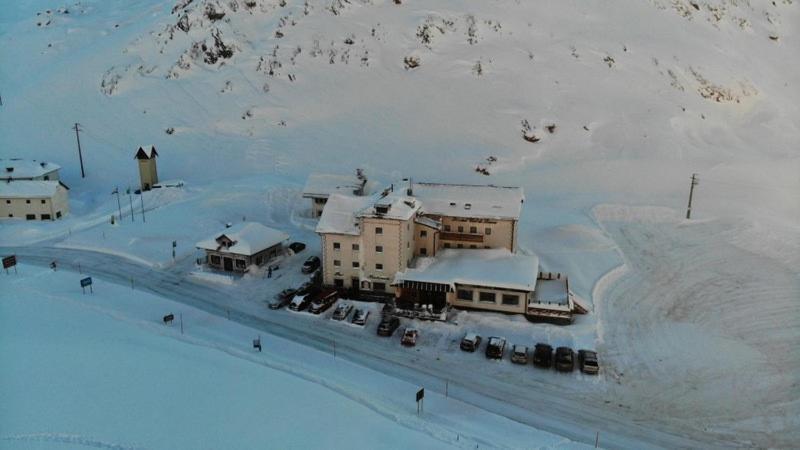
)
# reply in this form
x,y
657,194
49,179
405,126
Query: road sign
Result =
x,y
420,394
86,282
174,244
9,261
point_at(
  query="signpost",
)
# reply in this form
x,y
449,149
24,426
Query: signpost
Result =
x,y
10,261
174,244
420,400
87,282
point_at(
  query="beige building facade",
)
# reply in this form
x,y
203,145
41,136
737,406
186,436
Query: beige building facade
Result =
x,y
33,200
148,171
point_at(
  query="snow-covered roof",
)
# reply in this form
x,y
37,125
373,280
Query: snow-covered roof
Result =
x,y
552,291
427,221
466,200
25,168
146,152
394,205
248,239
497,268
339,214
29,188
322,185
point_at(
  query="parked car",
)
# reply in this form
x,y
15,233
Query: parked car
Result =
x,y
587,360
297,247
495,347
342,311
565,359
282,298
470,342
360,316
306,288
323,301
311,264
300,302
519,354
388,325
543,355
410,337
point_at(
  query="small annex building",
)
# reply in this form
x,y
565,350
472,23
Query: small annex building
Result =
x,y
240,246
28,169
488,279
320,186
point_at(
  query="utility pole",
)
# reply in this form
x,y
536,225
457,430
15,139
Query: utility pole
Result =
x,y
130,199
119,205
80,154
695,182
141,197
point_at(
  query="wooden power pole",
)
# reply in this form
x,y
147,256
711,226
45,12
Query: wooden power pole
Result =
x,y
80,154
695,182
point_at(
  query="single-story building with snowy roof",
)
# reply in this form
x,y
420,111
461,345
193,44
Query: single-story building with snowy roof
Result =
x,y
28,169
320,186
238,247
33,199
489,279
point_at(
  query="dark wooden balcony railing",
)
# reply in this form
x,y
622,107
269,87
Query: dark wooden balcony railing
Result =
x,y
461,237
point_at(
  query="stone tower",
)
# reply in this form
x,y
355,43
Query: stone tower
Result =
x,y
148,173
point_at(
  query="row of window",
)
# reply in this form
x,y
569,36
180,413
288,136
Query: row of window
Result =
x,y
448,245
472,230
339,283
42,217
27,200
356,264
488,297
355,247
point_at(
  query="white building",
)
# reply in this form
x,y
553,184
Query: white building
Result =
x,y
31,190
238,247
28,169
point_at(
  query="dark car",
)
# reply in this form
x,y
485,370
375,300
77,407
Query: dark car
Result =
x,y
470,342
388,325
311,264
323,301
543,355
307,288
297,247
282,298
587,360
410,337
565,359
495,347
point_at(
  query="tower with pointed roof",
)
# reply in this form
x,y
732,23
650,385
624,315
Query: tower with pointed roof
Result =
x,y
148,172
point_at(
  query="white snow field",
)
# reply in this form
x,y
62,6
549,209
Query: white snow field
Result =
x,y
102,370
695,321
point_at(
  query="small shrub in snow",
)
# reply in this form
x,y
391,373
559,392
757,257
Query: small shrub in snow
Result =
x,y
411,62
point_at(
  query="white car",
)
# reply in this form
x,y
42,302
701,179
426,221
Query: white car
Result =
x,y
519,354
342,311
360,316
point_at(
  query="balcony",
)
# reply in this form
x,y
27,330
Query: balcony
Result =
x,y
462,237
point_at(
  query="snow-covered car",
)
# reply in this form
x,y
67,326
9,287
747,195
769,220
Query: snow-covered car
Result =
x,y
282,298
342,311
519,354
410,337
300,302
565,359
360,316
388,325
311,264
587,361
323,301
543,355
495,347
470,342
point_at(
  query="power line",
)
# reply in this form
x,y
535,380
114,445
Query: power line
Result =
x,y
753,186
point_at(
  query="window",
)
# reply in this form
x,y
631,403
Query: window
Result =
x,y
460,245
43,201
446,245
337,263
447,228
28,201
58,214
509,299
355,264
46,177
378,230
259,260
473,230
378,266
473,246
423,251
320,201
378,286
465,294
488,231
408,244
460,229
215,260
423,233
338,282
488,297
8,202
45,216
355,247
10,215
378,249
240,264
337,246
30,217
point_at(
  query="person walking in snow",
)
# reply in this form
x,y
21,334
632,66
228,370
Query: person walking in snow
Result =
x,y
269,272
